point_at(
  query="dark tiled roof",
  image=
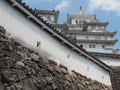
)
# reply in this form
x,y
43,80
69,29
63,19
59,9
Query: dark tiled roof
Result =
x,y
48,12
105,54
48,27
78,32
97,41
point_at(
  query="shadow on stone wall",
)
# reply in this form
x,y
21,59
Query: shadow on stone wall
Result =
x,y
115,78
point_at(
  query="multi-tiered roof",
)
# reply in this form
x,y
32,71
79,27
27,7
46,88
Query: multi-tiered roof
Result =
x,y
89,32
81,15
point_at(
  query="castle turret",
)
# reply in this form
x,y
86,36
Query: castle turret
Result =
x,y
90,33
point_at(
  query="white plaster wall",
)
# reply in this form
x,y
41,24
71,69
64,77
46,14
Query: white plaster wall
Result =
x,y
110,61
98,48
16,24
75,28
109,46
104,37
73,20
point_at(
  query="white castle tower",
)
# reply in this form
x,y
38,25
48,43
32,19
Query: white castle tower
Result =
x,y
89,32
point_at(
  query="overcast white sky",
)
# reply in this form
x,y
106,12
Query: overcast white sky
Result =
x,y
105,10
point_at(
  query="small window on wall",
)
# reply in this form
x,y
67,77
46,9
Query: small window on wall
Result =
x,y
81,46
79,21
38,44
76,21
90,46
103,46
93,46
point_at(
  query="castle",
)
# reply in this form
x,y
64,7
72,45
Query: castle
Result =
x,y
88,33
74,44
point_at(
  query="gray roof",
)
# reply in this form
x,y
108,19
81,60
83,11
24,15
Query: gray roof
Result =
x,y
82,16
48,12
110,55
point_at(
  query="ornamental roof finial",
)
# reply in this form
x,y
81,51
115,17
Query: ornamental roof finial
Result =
x,y
80,8
94,16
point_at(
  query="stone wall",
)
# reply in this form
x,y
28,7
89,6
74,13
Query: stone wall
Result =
x,y
115,78
23,69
